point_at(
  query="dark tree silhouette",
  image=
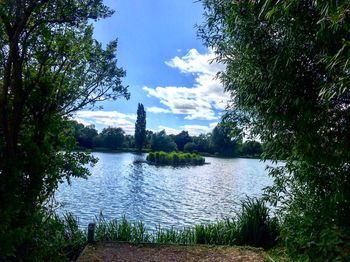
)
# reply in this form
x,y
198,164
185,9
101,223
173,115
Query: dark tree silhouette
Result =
x,y
140,127
50,67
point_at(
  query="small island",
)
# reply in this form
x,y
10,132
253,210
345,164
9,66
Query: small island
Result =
x,y
175,159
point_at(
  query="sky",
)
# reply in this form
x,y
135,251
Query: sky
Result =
x,y
168,68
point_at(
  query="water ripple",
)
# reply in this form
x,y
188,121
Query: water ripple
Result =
x,y
170,197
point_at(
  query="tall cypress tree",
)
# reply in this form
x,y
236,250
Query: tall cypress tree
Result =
x,y
140,127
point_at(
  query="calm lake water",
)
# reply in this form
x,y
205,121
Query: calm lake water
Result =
x,y
164,196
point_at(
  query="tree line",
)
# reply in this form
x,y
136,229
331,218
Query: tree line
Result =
x,y
218,142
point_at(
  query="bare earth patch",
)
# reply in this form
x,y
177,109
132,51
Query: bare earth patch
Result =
x,y
125,252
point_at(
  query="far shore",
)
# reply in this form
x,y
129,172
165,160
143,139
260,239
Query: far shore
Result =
x,y
146,150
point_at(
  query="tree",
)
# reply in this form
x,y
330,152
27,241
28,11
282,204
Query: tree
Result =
x,y
288,72
181,139
112,138
148,138
140,127
190,147
129,141
223,142
204,143
251,148
85,135
50,67
162,142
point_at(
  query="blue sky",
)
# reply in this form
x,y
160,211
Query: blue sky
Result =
x,y
168,68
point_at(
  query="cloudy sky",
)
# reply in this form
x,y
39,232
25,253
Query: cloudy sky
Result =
x,y
168,68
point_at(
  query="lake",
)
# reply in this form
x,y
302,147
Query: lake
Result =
x,y
164,196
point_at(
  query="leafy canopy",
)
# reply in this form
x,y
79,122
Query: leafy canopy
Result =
x,y
162,142
288,71
50,67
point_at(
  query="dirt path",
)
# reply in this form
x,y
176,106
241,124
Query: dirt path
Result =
x,y
125,252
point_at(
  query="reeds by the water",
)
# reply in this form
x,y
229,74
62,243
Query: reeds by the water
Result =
x,y
253,226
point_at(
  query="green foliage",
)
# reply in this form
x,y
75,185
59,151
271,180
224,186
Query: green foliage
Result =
x,y
85,135
204,143
182,139
238,231
288,72
140,127
162,142
111,137
122,230
175,158
51,67
129,142
54,239
251,148
190,147
256,227
223,142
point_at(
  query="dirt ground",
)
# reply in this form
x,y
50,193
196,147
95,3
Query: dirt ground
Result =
x,y
125,252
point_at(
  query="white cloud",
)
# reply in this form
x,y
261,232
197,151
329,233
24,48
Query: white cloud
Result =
x,y
169,130
201,100
196,130
82,121
157,110
195,62
193,130
107,118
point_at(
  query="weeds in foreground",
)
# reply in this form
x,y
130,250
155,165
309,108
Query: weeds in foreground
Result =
x,y
58,238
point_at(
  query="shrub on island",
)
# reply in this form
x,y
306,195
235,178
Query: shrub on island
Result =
x,y
175,158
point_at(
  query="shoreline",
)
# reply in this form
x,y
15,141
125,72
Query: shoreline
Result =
x,y
133,150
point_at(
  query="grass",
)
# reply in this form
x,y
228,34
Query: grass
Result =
x,y
175,158
220,233
253,227
279,254
122,230
62,237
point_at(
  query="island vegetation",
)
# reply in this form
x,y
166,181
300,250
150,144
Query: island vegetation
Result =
x,y
175,158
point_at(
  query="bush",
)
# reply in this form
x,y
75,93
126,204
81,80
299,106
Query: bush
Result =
x,y
54,239
151,157
333,243
175,158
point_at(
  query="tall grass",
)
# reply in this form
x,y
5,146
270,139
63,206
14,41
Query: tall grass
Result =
x,y
123,230
55,239
60,238
253,226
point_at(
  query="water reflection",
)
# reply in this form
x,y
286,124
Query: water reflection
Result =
x,y
163,195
